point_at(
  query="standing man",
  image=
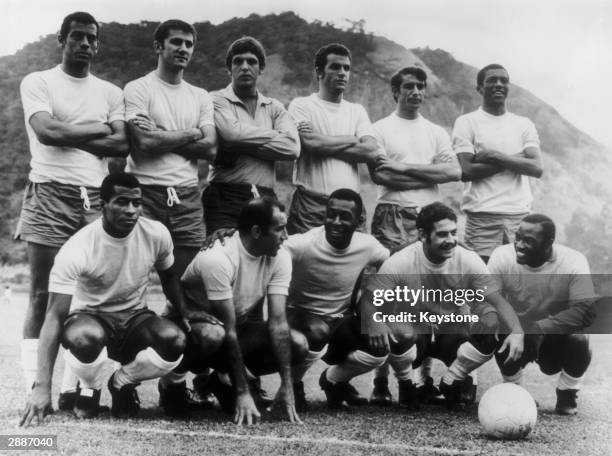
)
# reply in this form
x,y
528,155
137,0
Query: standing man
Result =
x,y
417,156
172,126
549,286
497,151
232,281
336,135
97,306
74,121
254,133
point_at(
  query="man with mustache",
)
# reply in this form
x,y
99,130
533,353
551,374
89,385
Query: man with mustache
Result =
x,y
172,126
550,287
74,121
97,308
417,156
497,151
436,262
335,135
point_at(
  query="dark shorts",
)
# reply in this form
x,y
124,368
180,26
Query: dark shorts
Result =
x,y
222,203
52,212
183,219
394,225
484,231
118,327
308,211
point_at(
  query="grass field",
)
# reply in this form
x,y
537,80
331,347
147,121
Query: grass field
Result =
x,y
369,430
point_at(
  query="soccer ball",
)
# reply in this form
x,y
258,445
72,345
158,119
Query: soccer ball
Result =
x,y
507,411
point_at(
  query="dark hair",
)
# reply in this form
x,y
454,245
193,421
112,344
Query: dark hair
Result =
x,y
346,194
107,189
80,17
258,212
548,226
480,77
398,78
320,59
246,44
433,213
163,30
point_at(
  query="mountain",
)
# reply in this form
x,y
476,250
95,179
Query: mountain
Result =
x,y
575,190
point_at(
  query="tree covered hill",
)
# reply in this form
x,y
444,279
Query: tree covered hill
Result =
x,y
574,190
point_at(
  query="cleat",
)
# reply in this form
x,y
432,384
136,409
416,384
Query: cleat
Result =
x,y
339,393
225,394
260,396
408,397
381,395
468,391
452,394
126,403
177,400
201,392
301,405
566,402
427,393
87,403
66,400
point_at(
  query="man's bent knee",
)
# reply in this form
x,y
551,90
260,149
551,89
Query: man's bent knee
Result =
x,y
299,346
205,338
85,340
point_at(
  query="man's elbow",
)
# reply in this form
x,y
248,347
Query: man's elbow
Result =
x,y
538,171
48,137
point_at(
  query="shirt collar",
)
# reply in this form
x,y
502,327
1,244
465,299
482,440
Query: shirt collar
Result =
x,y
229,93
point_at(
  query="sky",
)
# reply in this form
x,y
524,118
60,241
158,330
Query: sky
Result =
x,y
560,50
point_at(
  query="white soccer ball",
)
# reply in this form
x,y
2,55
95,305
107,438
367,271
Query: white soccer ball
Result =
x,y
507,411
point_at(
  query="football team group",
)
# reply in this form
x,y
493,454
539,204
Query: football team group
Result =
x,y
275,289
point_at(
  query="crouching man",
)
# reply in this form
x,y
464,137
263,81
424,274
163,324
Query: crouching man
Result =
x,y
97,307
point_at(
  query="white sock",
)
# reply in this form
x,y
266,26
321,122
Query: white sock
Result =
x,y
146,365
173,378
69,379
29,362
567,382
382,371
356,363
402,364
89,374
517,378
311,358
468,359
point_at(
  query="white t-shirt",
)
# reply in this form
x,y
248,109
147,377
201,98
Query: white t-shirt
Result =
x,y
323,276
409,267
419,142
506,192
111,274
229,271
537,293
74,101
172,107
324,175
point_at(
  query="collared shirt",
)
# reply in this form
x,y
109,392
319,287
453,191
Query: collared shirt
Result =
x,y
271,128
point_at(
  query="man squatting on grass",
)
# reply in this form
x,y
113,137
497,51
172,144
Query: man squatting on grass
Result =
x,y
97,306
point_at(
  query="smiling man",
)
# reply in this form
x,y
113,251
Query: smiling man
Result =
x,y
550,287
497,151
255,132
336,135
74,120
97,307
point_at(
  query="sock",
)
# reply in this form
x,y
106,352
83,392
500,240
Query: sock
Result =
x,y
382,371
517,378
356,363
146,365
311,358
422,372
402,364
89,374
69,379
173,378
474,375
468,359
29,362
567,382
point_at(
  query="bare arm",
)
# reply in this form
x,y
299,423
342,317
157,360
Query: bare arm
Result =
x,y
202,149
402,176
147,137
472,170
348,148
528,162
114,145
39,402
53,132
514,342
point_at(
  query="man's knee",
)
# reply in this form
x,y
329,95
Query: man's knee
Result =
x,y
205,338
85,339
299,346
577,354
403,342
168,340
317,334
